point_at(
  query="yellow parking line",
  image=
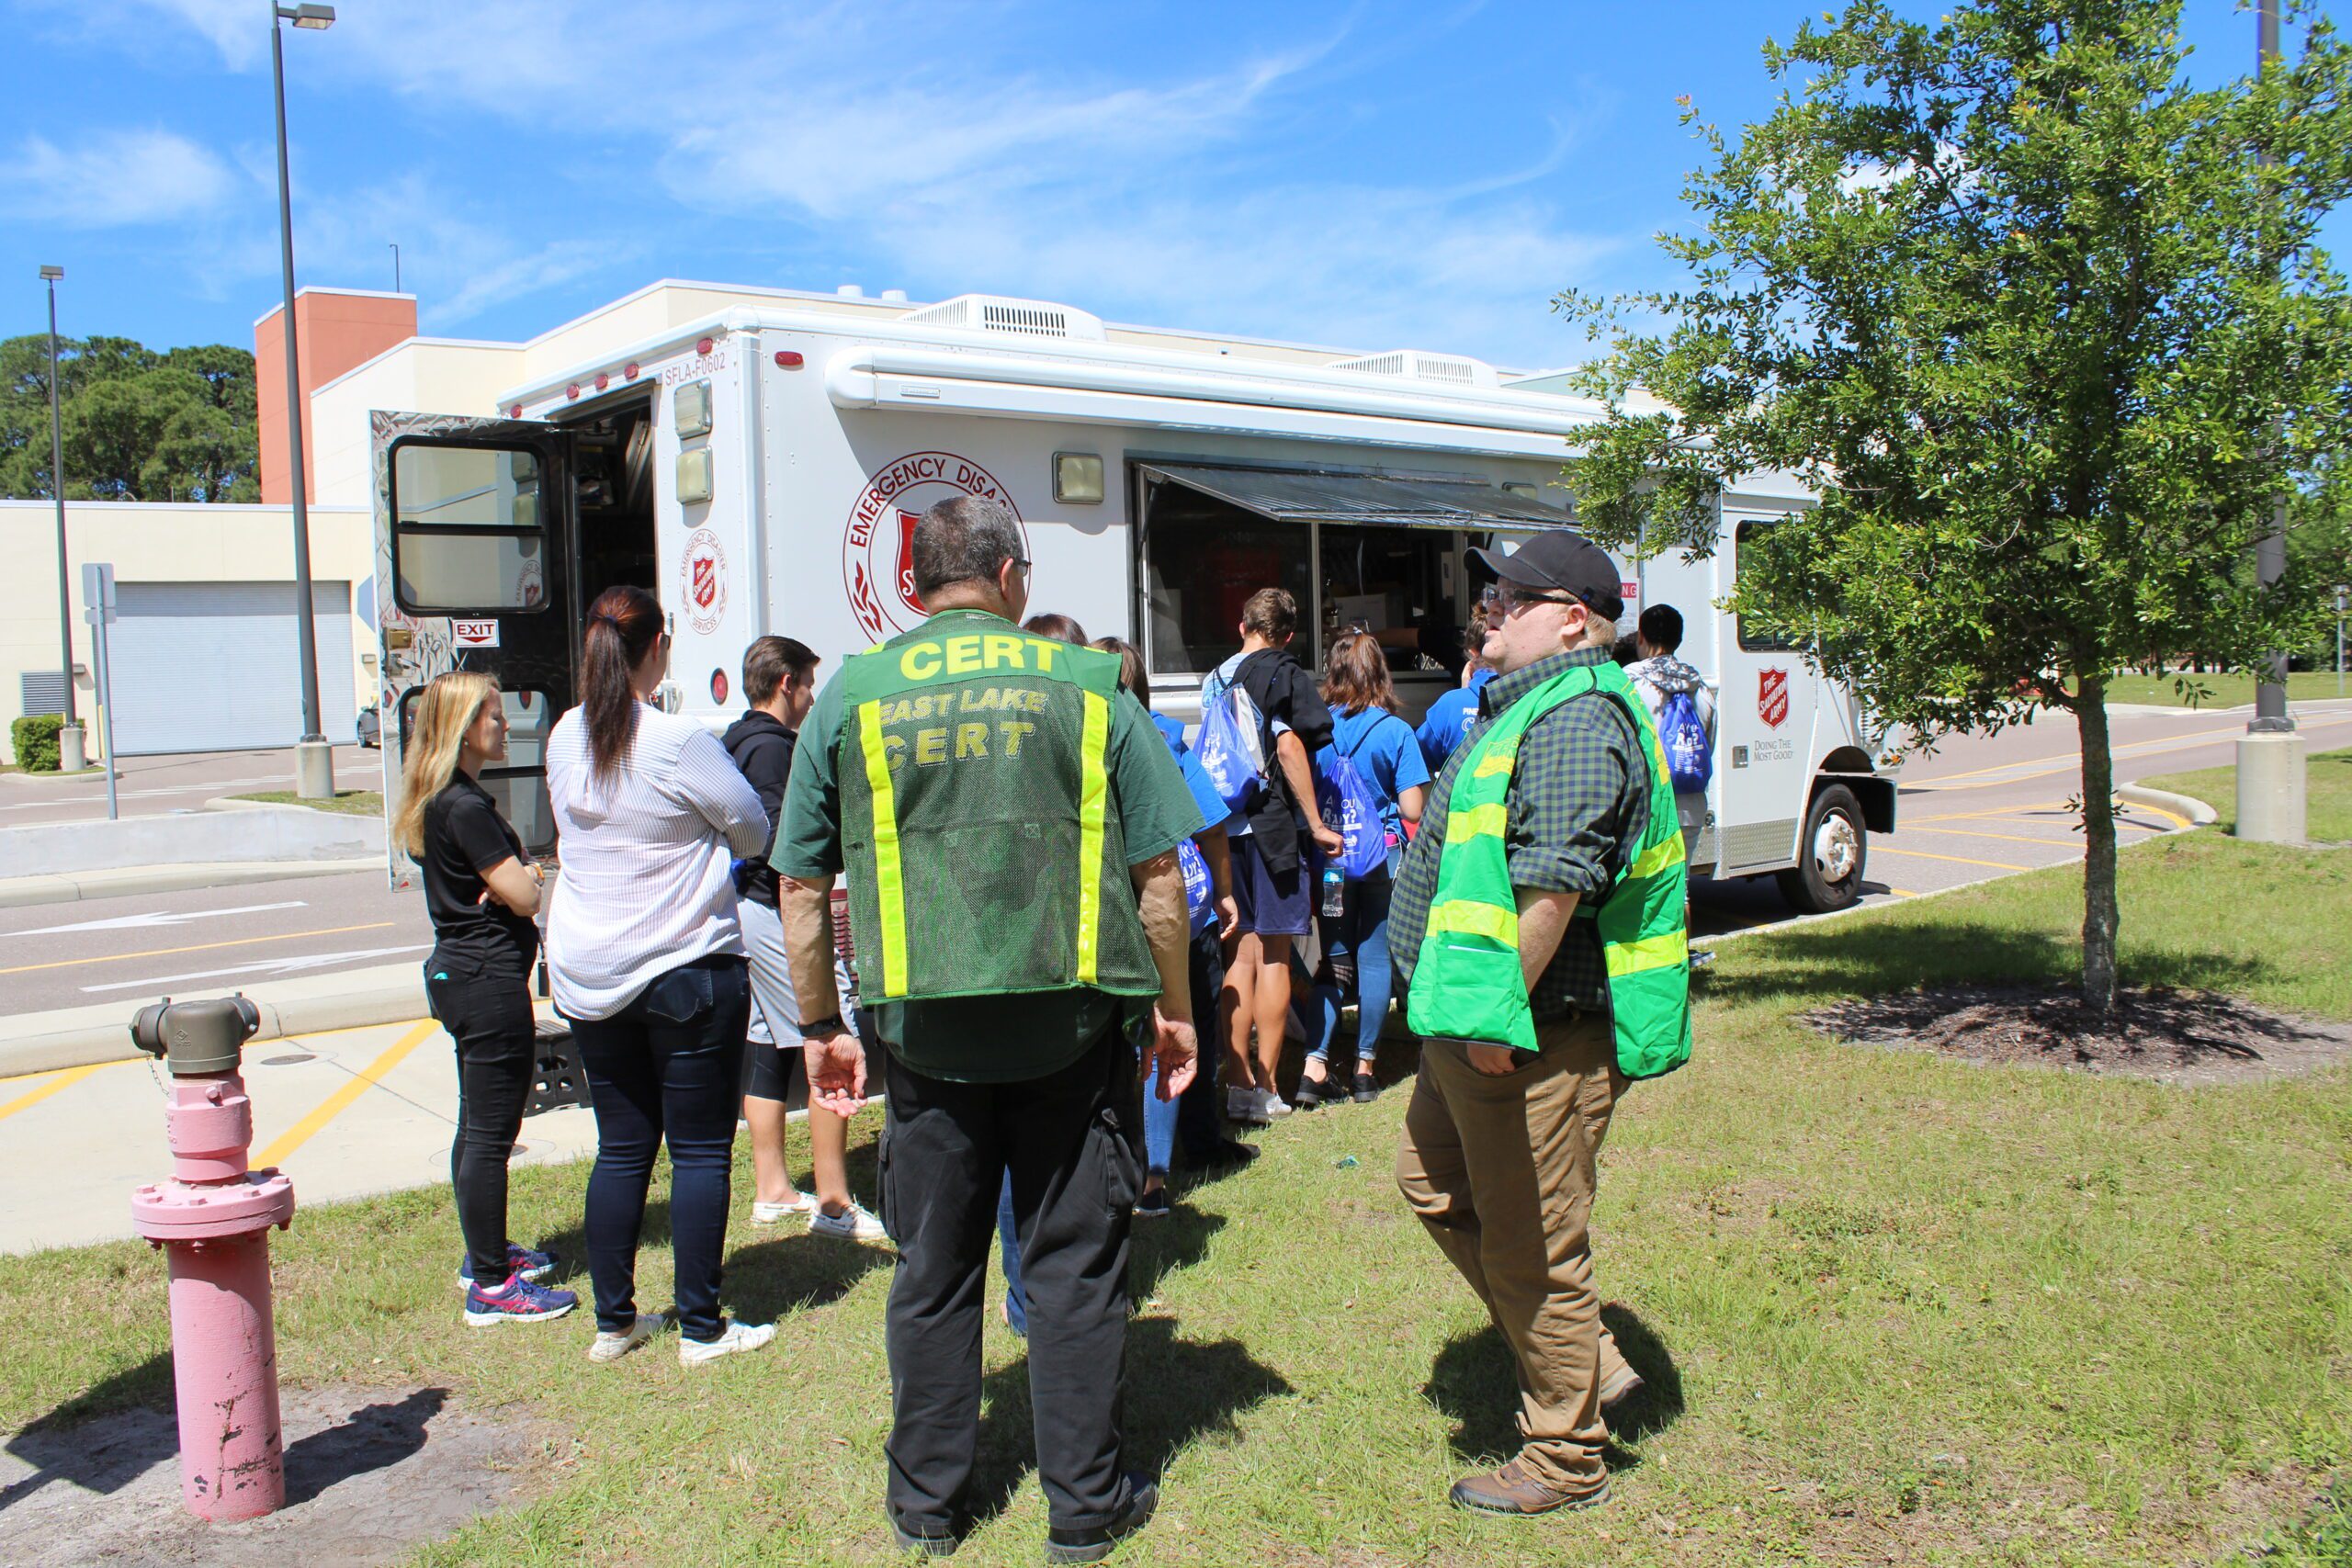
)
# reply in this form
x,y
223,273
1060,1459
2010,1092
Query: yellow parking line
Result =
x,y
1903,893
2173,816
1956,860
2008,838
335,1104
200,947
65,1079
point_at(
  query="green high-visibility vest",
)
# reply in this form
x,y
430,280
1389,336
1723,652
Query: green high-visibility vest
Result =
x,y
1468,984
984,852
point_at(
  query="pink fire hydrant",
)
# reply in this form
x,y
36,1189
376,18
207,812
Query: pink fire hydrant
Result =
x,y
213,1218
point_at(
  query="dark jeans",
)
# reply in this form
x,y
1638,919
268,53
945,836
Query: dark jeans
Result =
x,y
1196,1123
1072,1144
487,1010
668,1066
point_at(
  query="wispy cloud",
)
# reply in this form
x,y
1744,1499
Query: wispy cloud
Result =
x,y
112,179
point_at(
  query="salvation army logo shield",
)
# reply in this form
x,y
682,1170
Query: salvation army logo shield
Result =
x,y
703,581
1772,697
877,545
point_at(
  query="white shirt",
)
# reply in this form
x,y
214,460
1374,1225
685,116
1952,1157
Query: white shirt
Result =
x,y
647,856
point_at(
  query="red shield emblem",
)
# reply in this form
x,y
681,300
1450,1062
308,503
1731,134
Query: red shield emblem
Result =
x,y
1772,697
706,581
907,521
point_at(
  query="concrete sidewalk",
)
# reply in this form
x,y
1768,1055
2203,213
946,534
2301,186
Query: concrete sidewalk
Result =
x,y
128,881
79,1037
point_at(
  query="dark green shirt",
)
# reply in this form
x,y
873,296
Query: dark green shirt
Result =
x,y
1005,1039
1579,804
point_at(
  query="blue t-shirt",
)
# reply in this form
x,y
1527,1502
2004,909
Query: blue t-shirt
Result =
x,y
1449,716
1384,749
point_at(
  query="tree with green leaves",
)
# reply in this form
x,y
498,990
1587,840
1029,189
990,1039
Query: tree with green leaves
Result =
x,y
139,425
2044,326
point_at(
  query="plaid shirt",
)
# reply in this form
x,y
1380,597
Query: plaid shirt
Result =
x,y
1579,807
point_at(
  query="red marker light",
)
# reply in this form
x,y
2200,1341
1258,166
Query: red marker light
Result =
x,y
719,687
572,391
789,359
515,412
629,371
602,380
703,348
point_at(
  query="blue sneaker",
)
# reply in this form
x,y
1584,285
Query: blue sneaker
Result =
x,y
518,1300
520,1259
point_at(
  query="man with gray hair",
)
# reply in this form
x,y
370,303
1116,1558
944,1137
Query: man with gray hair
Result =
x,y
1008,819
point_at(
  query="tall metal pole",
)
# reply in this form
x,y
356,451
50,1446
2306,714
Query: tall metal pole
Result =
x,y
396,266
304,630
2270,553
57,487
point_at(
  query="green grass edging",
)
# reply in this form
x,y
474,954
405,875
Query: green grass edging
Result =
x,y
346,802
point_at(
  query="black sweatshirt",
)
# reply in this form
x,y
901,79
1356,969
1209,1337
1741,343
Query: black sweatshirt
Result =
x,y
761,747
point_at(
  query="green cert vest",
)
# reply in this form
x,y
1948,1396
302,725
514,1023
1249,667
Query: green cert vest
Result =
x,y
1468,984
984,853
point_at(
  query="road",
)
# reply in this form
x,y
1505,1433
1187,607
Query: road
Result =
x,y
370,1109
147,786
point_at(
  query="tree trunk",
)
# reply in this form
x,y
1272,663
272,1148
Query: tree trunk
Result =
x,y
2099,915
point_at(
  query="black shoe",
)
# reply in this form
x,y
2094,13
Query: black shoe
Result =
x,y
1315,1093
927,1543
1096,1543
1366,1091
1152,1205
1225,1153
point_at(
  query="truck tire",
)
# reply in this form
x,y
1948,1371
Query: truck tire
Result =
x,y
1831,854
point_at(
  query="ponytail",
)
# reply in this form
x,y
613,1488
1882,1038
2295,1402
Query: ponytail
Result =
x,y
622,625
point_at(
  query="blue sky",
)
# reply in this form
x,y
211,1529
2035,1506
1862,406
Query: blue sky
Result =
x,y
1368,176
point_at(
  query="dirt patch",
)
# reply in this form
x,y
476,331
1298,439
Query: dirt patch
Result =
x,y
2194,1038
370,1475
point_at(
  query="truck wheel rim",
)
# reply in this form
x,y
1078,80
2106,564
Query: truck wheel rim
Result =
x,y
1837,848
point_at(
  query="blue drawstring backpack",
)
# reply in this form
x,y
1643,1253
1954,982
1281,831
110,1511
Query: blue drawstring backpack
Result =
x,y
1689,762
1230,750
1352,806
1200,894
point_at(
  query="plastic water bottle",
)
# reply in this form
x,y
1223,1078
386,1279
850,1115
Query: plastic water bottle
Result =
x,y
1334,889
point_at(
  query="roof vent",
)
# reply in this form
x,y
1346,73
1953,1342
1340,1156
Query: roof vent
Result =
x,y
1413,365
1020,318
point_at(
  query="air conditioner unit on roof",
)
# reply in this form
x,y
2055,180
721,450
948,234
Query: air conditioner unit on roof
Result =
x,y
1416,364
1021,317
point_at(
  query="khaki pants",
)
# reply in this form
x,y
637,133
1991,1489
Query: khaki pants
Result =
x,y
1500,1170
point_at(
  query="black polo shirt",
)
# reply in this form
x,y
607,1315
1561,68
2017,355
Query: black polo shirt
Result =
x,y
464,837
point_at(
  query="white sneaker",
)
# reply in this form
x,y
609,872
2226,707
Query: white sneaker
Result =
x,y
613,1347
801,1208
736,1337
1274,1105
855,1223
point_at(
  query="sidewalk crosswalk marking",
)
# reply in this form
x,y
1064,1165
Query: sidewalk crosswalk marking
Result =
x,y
63,1080
335,1104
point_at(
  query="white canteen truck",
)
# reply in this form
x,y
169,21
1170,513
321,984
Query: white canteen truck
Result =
x,y
761,471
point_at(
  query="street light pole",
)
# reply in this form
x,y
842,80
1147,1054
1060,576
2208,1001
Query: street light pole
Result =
x,y
313,760
2270,778
49,275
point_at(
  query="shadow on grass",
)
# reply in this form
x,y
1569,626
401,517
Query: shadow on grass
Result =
x,y
56,1450
1475,1382
1177,1392
1161,1246
1861,958
376,1437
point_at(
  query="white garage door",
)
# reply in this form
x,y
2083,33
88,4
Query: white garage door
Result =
x,y
211,666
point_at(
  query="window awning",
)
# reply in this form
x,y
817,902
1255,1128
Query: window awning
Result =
x,y
1287,496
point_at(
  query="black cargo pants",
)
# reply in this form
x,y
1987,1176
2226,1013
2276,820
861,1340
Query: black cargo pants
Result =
x,y
1073,1142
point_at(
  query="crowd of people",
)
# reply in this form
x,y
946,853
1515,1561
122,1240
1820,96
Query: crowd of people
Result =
x,y
1042,883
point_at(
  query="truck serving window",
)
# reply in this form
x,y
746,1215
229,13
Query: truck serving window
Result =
x,y
467,535
1204,558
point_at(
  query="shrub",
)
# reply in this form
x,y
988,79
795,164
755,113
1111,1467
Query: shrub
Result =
x,y
35,739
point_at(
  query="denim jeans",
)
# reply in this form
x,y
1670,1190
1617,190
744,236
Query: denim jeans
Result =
x,y
487,1010
1355,961
665,1068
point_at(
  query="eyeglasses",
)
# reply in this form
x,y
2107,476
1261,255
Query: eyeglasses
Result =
x,y
1507,599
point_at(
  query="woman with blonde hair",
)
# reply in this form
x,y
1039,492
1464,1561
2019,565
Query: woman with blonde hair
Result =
x,y
482,891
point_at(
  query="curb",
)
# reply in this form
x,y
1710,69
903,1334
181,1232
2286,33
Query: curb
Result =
x,y
72,887
81,1037
2196,810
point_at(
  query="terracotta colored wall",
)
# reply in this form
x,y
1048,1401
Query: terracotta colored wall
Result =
x,y
332,332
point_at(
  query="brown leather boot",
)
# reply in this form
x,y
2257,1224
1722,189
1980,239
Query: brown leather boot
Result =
x,y
1515,1490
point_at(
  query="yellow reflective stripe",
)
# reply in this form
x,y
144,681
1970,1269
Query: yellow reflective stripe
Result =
x,y
1477,821
1093,798
1498,761
889,881
1470,917
1666,852
1649,952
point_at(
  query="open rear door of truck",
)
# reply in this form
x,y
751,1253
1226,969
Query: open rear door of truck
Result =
x,y
476,541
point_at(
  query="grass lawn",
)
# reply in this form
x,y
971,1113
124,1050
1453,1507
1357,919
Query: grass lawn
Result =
x,y
1891,1309
346,802
2327,794
2233,689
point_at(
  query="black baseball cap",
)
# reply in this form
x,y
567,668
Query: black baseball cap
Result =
x,y
1560,561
